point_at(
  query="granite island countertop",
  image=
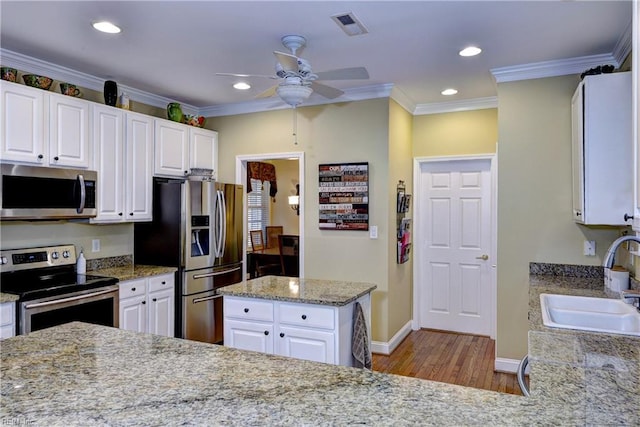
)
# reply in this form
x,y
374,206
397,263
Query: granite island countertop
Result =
x,y
299,290
133,271
80,374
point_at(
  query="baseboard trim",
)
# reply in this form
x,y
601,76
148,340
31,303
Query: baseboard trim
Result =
x,y
506,365
386,348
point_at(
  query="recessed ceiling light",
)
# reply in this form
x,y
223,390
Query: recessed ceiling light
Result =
x,y
242,86
106,27
449,92
470,51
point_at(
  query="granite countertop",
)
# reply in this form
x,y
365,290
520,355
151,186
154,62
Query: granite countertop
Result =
x,y
7,297
294,289
133,271
80,374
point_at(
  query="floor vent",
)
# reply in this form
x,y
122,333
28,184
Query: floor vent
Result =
x,y
350,24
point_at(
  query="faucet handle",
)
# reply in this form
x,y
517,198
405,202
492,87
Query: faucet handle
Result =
x,y
629,294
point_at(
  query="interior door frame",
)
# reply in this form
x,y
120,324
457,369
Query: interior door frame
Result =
x,y
418,227
241,173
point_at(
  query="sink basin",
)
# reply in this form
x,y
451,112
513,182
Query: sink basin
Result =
x,y
590,314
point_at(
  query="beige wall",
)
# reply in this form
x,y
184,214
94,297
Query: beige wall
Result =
x,y
452,134
332,133
400,291
534,198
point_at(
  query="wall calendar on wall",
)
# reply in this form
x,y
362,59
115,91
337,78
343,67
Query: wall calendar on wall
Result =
x,y
343,192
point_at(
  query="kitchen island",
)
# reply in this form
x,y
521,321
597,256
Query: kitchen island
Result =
x,y
80,374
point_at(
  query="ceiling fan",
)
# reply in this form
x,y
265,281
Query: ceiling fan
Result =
x,y
298,81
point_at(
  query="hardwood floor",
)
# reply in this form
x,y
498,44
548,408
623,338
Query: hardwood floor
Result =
x,y
448,357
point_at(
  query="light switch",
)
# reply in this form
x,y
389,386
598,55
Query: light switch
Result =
x,y
590,247
373,232
95,245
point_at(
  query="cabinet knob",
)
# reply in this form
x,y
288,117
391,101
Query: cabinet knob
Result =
x,y
266,332
154,300
627,217
119,213
246,310
304,317
144,302
186,172
164,283
40,156
130,213
281,334
56,158
133,289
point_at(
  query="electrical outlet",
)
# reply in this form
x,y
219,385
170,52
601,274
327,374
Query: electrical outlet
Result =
x,y
590,247
95,245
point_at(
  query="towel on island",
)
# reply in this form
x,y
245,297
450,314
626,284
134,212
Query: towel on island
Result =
x,y
360,340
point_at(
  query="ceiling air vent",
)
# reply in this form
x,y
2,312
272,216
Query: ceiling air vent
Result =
x,y
349,24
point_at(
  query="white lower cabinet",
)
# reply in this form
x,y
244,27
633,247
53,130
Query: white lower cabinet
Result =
x,y
148,305
314,332
7,320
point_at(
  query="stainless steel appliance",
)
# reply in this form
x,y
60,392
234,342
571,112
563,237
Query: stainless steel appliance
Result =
x,y
31,192
50,292
196,227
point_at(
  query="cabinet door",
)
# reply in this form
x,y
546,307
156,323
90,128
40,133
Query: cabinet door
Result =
x,y
108,145
22,124
7,320
133,314
203,149
577,153
171,149
254,336
68,131
161,309
138,163
307,344
635,67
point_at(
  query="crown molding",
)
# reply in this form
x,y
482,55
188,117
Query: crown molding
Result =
x,y
456,106
624,45
272,104
403,100
60,73
543,69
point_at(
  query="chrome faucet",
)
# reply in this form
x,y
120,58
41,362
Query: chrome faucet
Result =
x,y
608,259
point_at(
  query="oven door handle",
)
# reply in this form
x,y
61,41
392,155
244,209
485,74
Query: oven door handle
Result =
x,y
216,273
63,300
203,299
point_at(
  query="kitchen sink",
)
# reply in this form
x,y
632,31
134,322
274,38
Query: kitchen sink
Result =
x,y
590,314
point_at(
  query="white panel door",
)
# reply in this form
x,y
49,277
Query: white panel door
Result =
x,y
455,217
69,131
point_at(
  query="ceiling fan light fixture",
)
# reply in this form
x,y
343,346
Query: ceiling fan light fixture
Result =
x,y
294,95
106,27
449,92
470,51
241,86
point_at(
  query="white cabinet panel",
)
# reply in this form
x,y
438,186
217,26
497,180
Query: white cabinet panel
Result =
x,y
318,346
133,314
22,124
203,149
148,305
68,131
171,152
139,167
7,320
252,336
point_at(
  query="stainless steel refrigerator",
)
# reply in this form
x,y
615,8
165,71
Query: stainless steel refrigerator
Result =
x,y
197,228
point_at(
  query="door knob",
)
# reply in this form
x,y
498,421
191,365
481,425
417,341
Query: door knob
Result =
x,y
484,257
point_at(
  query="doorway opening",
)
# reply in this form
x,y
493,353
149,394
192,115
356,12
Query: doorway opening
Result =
x,y
263,208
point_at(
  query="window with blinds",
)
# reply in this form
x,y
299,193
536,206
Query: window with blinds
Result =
x,y
258,207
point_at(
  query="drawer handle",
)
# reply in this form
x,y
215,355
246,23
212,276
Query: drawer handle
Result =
x,y
281,334
304,317
246,310
164,283
266,332
133,289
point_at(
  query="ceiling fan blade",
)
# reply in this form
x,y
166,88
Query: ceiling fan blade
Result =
x,y
326,91
354,73
247,75
268,93
289,62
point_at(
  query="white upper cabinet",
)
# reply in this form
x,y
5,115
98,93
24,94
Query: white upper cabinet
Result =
x,y
171,148
602,150
68,131
22,124
203,149
635,66
139,167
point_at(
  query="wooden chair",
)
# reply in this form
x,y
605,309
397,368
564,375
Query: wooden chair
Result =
x,y
262,268
289,250
273,231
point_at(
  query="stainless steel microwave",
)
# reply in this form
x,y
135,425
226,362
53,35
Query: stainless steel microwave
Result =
x,y
31,192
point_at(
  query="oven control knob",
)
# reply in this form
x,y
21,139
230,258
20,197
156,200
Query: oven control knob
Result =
x,y
65,254
55,255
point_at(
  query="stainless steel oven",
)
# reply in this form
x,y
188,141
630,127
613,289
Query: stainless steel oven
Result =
x,y
51,293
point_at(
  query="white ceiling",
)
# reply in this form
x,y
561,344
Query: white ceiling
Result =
x,y
173,49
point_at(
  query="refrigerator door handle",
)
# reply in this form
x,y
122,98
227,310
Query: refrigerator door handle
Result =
x,y
215,273
220,224
223,219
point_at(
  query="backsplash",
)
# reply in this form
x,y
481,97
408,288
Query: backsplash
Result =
x,y
569,270
109,262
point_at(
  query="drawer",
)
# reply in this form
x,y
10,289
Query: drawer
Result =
x,y
160,283
307,315
7,331
7,313
133,288
248,309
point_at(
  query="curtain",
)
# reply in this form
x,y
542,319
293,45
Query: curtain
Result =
x,y
262,172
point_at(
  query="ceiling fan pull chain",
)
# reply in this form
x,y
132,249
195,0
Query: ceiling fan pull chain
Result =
x,y
295,126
